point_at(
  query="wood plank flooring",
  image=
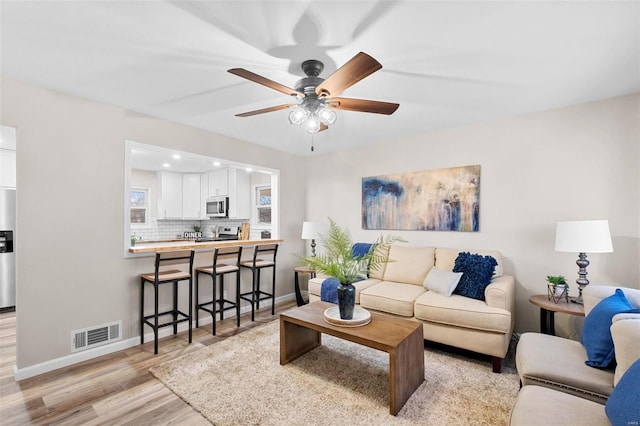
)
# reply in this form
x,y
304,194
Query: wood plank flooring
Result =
x,y
115,389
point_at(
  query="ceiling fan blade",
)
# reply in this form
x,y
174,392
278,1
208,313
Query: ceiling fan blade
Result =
x,y
241,72
358,67
265,110
363,105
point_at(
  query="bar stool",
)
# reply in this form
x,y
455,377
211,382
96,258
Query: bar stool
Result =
x,y
232,255
256,265
158,277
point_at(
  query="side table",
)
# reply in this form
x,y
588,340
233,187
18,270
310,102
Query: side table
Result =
x,y
548,308
301,270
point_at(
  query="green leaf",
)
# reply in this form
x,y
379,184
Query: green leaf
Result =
x,y
337,260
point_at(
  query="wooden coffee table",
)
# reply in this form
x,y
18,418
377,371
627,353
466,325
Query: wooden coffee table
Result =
x,y
301,330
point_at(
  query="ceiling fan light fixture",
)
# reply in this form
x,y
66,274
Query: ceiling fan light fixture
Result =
x,y
297,115
326,115
313,123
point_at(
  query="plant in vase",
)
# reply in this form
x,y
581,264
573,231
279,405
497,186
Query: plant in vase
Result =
x,y
340,261
558,287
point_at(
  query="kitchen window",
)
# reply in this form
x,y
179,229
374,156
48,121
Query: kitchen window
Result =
x,y
139,206
263,204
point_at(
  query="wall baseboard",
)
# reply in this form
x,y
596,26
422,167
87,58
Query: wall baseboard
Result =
x,y
77,357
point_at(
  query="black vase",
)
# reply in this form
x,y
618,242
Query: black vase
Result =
x,y
346,300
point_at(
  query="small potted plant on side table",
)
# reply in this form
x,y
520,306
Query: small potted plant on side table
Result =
x,y
557,288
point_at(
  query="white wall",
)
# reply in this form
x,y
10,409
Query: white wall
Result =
x,y
575,163
71,270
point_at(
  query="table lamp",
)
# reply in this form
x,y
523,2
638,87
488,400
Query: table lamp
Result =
x,y
582,237
311,231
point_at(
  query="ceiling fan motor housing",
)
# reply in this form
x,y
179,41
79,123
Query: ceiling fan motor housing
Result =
x,y
308,85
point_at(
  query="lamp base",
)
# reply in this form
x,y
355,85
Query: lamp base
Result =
x,y
577,300
582,280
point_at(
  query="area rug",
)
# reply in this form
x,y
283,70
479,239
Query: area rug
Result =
x,y
239,381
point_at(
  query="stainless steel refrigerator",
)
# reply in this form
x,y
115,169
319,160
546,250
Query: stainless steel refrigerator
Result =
x,y
7,249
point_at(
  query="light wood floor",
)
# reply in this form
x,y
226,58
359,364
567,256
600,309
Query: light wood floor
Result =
x,y
115,389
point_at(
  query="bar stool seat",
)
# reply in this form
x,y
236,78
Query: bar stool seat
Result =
x,y
167,276
256,265
218,304
156,279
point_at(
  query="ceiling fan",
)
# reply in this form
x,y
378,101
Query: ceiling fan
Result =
x,y
316,97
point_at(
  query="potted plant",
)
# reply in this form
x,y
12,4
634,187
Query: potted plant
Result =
x,y
339,261
557,287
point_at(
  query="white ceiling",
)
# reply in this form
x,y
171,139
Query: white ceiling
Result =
x,y
446,63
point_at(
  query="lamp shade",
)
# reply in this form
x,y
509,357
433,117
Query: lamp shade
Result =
x,y
311,230
584,236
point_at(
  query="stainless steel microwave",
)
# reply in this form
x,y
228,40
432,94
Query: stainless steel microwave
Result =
x,y
218,206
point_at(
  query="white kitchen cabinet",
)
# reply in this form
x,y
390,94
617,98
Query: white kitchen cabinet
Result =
x,y
239,194
169,195
191,199
218,182
204,194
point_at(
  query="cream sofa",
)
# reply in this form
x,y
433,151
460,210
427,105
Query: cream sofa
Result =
x,y
397,288
558,387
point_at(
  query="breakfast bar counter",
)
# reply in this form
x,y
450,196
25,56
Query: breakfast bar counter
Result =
x,y
153,247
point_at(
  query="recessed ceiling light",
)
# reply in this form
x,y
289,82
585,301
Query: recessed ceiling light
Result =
x,y
248,169
216,163
176,156
166,165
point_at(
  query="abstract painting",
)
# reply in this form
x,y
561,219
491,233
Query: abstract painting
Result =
x,y
429,200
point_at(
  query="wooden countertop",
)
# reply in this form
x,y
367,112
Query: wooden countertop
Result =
x,y
190,244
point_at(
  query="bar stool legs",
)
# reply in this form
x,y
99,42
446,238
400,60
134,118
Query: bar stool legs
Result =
x,y
256,265
217,271
158,278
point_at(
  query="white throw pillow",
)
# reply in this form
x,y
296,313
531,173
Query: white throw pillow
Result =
x,y
442,282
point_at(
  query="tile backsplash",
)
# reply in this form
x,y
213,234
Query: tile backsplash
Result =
x,y
167,229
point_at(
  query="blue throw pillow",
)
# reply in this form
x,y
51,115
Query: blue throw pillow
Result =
x,y
596,334
623,405
477,271
360,249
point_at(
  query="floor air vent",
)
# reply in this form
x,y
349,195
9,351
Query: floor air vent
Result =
x,y
95,336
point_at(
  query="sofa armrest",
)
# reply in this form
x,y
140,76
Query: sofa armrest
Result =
x,y
500,293
625,331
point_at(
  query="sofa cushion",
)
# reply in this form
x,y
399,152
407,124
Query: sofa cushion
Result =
x,y
596,333
382,251
409,265
558,363
625,331
536,405
461,311
315,286
442,282
446,258
391,297
477,271
623,406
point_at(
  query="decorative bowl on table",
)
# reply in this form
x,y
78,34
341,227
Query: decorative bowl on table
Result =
x,y
360,317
